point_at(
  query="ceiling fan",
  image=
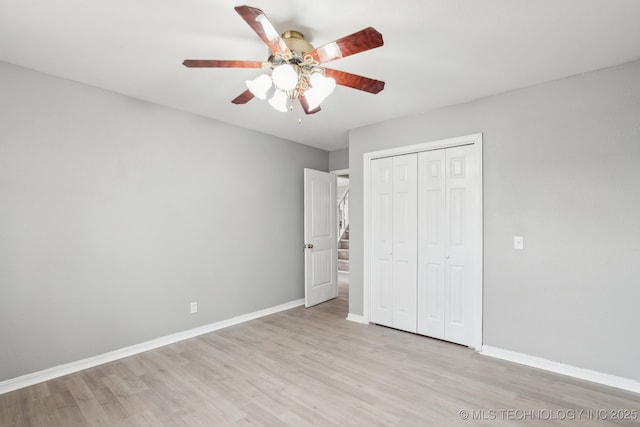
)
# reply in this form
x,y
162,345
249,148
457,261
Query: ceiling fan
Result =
x,y
294,69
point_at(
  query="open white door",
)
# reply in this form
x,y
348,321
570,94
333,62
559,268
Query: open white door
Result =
x,y
320,237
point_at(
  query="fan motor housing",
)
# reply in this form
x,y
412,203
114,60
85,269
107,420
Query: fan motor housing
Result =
x,y
296,43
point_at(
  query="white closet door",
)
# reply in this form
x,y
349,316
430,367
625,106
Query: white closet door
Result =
x,y
431,243
425,241
405,241
381,303
461,234
447,204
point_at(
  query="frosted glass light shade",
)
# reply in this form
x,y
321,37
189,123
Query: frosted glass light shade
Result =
x,y
321,88
259,86
279,101
285,77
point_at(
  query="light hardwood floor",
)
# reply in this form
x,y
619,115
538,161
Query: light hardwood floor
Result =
x,y
311,367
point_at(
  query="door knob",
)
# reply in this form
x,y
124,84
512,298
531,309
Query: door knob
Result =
x,y
308,246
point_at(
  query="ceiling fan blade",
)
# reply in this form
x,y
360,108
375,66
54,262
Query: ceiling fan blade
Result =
x,y
349,45
219,63
305,105
243,98
263,28
355,81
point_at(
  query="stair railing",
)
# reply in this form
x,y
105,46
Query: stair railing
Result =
x,y
343,214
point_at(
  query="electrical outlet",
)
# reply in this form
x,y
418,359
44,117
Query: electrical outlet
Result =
x,y
194,307
518,242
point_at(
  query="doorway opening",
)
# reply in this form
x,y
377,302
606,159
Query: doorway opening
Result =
x,y
342,206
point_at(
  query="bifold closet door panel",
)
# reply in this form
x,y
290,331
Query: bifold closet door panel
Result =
x,y
405,241
394,241
381,244
461,234
431,243
447,211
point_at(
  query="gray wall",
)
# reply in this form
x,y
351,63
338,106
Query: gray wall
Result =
x,y
115,214
339,159
561,168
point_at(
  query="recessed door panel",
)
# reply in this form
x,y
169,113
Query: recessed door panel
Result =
x,y
434,293
321,190
323,267
401,214
382,296
433,217
456,301
456,214
457,164
401,290
382,208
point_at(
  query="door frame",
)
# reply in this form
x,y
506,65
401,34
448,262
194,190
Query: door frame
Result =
x,y
339,172
475,139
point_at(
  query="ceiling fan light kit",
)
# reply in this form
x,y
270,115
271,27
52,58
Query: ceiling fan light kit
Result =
x,y
279,101
321,88
285,77
260,86
294,68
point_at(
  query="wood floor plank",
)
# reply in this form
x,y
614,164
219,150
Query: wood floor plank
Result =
x,y
308,367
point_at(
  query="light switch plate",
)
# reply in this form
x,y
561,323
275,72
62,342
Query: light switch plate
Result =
x,y
518,242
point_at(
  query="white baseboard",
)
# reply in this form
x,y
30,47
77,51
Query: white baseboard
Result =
x,y
561,368
68,368
356,318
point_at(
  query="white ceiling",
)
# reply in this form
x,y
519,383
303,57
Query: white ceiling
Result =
x,y
436,52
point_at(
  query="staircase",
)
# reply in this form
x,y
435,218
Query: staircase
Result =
x,y
343,252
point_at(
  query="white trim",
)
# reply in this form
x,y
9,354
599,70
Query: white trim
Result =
x,y
68,368
366,178
563,369
356,318
479,261
340,172
426,146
